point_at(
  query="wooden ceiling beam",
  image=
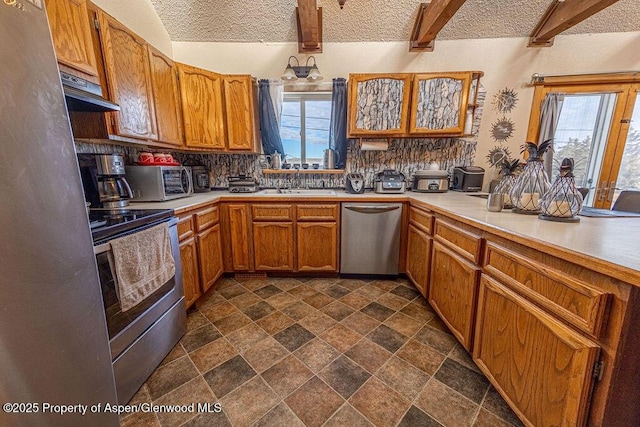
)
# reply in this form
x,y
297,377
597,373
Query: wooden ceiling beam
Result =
x,y
562,15
309,21
432,17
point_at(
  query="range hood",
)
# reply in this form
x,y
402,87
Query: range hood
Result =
x,y
83,95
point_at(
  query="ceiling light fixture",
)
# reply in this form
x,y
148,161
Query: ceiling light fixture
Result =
x,y
294,72
341,3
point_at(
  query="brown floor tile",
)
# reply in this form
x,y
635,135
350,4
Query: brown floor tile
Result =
x,y
211,298
419,312
249,402
495,404
352,284
140,419
415,417
436,323
281,415
226,282
487,419
423,357
196,338
388,338
287,375
228,376
265,354
437,339
337,291
406,293
176,353
361,323
254,284
403,377
233,291
288,284
403,324
171,376
341,337
314,402
267,291
317,354
385,285
195,391
370,291
275,322
344,376
294,337
302,292
298,310
368,355
460,355
446,405
322,283
232,323
317,322
379,403
281,300
141,396
245,300
246,337
394,302
318,300
338,310
258,311
355,300
377,311
347,416
220,311
465,381
211,355
208,420
195,319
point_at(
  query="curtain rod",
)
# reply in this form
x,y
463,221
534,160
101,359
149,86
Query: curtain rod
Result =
x,y
537,78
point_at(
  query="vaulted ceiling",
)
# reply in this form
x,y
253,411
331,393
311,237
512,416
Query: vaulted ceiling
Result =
x,y
370,20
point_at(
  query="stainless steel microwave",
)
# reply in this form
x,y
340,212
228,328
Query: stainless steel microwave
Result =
x,y
159,183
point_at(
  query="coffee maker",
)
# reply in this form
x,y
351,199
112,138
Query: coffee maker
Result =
x,y
103,180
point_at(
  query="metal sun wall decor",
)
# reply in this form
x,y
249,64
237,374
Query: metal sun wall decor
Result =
x,y
502,129
497,155
505,100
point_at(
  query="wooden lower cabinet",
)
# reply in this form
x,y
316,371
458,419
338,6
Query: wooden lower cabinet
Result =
x,y
190,274
317,246
418,258
273,245
540,366
210,256
238,219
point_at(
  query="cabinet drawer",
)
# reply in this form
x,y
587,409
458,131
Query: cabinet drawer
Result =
x,y
573,301
206,218
317,212
465,243
272,212
421,219
185,227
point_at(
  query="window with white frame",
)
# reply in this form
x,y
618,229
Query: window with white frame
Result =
x,y
304,127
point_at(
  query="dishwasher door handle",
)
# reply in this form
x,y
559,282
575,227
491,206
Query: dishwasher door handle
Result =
x,y
372,209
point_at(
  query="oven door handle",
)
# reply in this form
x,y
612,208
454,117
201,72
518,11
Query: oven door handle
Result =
x,y
104,247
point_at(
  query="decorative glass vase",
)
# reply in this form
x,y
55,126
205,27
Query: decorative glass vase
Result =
x,y
563,201
504,187
529,187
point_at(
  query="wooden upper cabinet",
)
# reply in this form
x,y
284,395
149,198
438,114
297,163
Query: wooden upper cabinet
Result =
x,y
378,104
166,97
71,32
239,111
126,60
439,103
203,114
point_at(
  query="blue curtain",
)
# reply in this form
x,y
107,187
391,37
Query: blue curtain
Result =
x,y
338,131
271,141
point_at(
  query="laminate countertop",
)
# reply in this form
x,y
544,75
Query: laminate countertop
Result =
x,y
608,245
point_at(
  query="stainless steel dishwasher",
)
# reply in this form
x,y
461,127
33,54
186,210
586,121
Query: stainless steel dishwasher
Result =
x,y
370,238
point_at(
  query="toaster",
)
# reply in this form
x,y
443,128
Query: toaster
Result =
x,y
355,183
467,178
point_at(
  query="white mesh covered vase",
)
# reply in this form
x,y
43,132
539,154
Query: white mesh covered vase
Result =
x,y
532,183
563,201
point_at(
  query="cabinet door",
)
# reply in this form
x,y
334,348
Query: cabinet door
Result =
x,y
419,258
238,103
439,103
210,256
71,34
166,98
190,277
317,246
378,104
239,231
126,60
542,368
453,287
203,116
273,245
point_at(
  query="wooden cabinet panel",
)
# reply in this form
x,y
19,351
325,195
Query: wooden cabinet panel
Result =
x,y
203,114
419,258
541,367
272,212
238,216
190,277
317,246
464,242
421,219
185,227
166,98
205,218
126,60
324,212
71,32
453,286
573,301
210,256
239,109
272,245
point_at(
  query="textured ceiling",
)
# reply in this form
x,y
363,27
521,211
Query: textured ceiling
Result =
x,y
370,20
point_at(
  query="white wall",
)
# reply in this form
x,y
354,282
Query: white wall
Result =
x,y
140,17
505,62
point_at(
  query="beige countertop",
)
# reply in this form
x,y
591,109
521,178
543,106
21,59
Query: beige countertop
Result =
x,y
610,245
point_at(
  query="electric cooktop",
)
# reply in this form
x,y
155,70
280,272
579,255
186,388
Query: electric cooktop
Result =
x,y
108,224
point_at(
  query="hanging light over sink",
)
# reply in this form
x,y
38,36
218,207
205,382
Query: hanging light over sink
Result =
x,y
294,72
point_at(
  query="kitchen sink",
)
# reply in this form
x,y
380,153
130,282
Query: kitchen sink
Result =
x,y
296,192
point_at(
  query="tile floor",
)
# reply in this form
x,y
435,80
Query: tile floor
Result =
x,y
320,352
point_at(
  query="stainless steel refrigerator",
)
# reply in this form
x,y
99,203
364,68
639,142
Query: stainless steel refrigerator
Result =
x,y
54,347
